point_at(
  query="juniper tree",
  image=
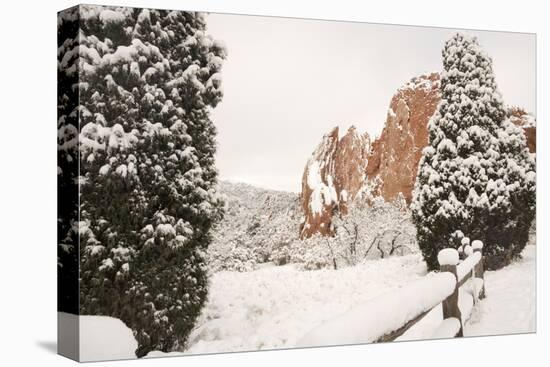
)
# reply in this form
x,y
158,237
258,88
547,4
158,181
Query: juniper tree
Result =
x,y
67,162
148,79
476,166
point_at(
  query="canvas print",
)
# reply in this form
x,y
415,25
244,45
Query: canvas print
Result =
x,y
231,183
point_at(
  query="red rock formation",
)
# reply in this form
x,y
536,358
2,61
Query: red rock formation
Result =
x,y
395,155
340,169
334,175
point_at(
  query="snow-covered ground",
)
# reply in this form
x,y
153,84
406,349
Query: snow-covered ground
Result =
x,y
274,307
510,306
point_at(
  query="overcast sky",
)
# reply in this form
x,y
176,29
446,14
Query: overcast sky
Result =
x,y
287,82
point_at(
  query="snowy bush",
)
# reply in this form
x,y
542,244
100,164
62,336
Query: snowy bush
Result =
x,y
281,252
368,231
234,256
376,230
476,176
318,255
146,81
312,253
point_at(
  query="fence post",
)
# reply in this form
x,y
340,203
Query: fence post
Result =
x,y
448,260
464,244
479,271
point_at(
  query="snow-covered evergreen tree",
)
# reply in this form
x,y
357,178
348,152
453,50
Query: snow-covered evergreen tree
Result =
x,y
476,166
513,197
67,161
148,79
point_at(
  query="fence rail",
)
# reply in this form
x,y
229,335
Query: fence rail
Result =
x,y
389,316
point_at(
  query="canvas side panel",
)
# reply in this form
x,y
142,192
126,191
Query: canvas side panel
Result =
x,y
67,183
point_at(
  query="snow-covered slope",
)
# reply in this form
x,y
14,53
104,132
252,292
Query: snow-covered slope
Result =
x,y
256,222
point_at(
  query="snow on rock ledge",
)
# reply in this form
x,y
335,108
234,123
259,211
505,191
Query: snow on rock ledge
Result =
x,y
321,194
333,176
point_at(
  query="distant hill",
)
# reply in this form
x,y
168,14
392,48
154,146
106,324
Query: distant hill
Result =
x,y
257,221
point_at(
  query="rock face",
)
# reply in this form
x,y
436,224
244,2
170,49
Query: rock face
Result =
x,y
340,169
395,155
334,175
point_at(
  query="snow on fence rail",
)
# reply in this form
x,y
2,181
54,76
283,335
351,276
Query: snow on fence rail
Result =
x,y
388,316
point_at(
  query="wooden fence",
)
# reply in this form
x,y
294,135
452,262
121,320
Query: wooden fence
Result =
x,y
389,316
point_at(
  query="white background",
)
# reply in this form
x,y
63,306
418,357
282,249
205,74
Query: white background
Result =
x,y
28,181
